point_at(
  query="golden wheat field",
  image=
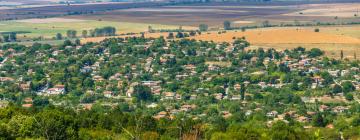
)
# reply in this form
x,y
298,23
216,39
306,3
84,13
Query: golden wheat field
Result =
x,y
279,36
330,39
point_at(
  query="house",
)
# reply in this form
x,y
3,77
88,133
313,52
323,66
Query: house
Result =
x,y
266,61
246,83
272,114
190,67
120,84
56,90
226,114
357,87
160,115
52,60
339,109
178,97
253,60
130,91
334,73
27,105
86,106
314,85
174,111
28,100
181,76
236,97
313,70
3,103
213,68
330,126
4,79
25,87
68,47
98,78
354,69
237,86
218,96
344,72
86,69
193,96
151,83
187,107
317,79
55,53
303,119
248,112
152,105
169,95
108,94
323,108
262,84
280,117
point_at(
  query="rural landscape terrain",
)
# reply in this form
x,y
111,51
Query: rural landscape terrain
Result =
x,y
180,69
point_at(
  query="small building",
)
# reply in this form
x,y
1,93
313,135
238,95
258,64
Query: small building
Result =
x,y
56,90
272,114
108,94
169,95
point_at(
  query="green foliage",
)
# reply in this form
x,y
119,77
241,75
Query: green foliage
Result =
x,y
348,87
227,25
315,52
71,33
204,76
203,27
142,93
59,36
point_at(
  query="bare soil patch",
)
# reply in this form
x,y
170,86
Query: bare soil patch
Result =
x,y
328,10
50,20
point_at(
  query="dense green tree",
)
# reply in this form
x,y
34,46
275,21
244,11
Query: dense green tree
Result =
x,y
337,89
315,52
203,27
318,120
59,36
142,93
71,33
84,33
54,124
227,25
348,86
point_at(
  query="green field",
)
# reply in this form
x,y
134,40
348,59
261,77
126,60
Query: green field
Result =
x,y
50,29
30,43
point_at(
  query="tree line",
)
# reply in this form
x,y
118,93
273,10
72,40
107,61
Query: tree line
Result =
x,y
97,32
8,37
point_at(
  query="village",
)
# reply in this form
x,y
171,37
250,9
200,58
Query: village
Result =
x,y
180,78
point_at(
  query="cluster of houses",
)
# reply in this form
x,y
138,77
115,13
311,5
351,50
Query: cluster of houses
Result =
x,y
126,86
171,113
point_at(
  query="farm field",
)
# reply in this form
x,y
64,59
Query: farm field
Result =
x,y
214,14
48,28
57,10
329,10
331,39
279,36
127,19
